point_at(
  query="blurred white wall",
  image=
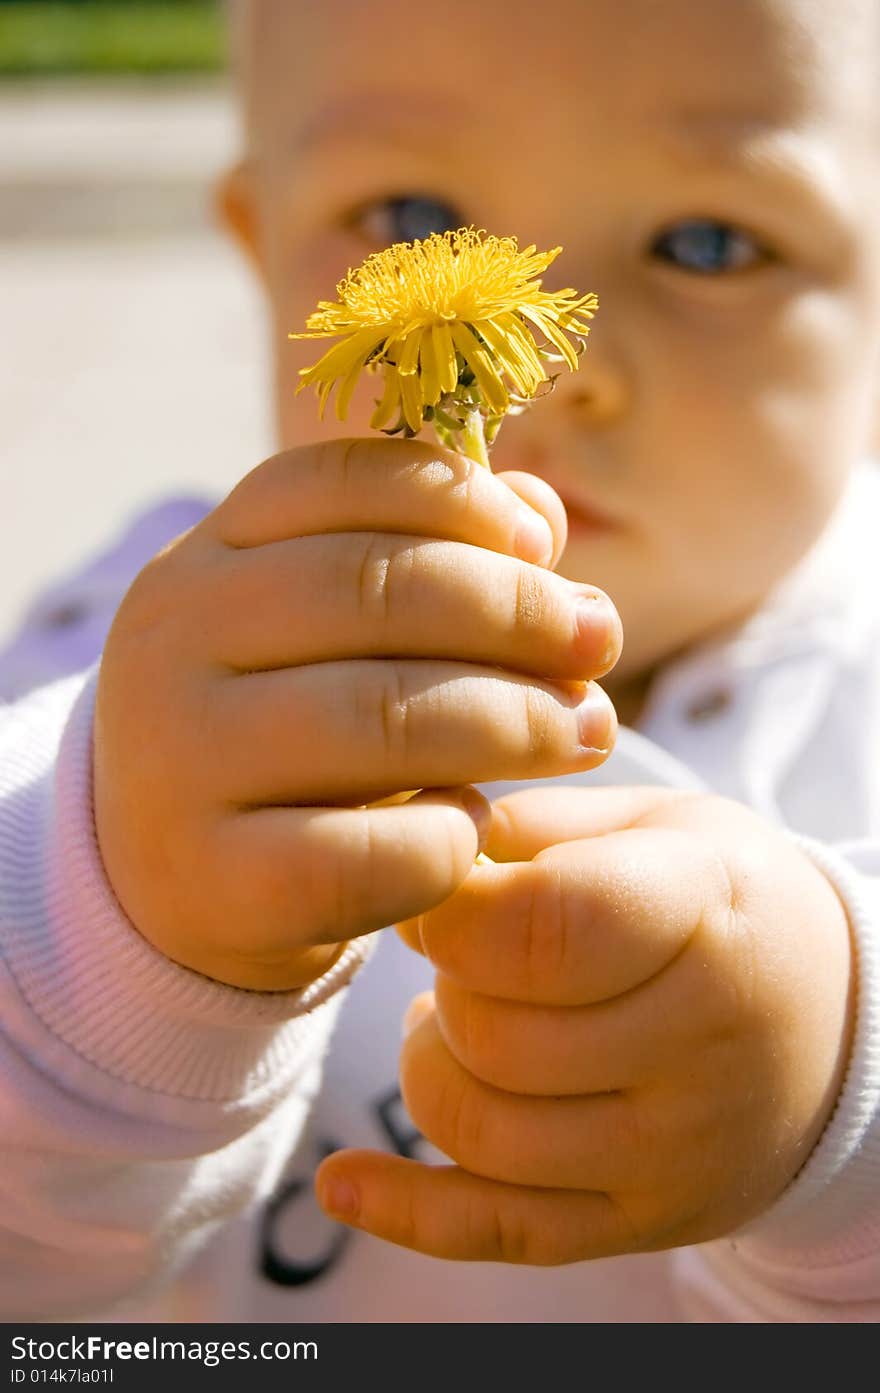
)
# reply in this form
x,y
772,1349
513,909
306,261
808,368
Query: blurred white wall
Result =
x,y
132,359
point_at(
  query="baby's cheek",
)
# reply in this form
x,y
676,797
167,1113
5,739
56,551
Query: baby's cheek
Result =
x,y
297,420
296,416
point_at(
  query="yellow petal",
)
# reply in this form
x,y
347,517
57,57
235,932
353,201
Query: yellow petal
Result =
x,y
507,355
444,353
411,398
344,395
551,333
428,370
408,358
488,380
339,360
585,304
518,334
389,407
324,391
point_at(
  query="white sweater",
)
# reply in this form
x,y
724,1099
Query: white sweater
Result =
x,y
146,1113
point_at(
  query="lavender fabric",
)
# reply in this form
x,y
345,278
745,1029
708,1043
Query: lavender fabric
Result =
x,y
64,628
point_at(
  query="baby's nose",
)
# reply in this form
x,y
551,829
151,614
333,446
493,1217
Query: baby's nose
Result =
x,y
597,392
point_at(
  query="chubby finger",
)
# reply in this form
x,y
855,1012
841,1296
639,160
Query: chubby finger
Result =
x,y
364,594
380,485
556,1051
357,730
545,500
595,1142
445,1212
307,876
582,922
533,819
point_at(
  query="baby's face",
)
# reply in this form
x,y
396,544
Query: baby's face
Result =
x,y
711,172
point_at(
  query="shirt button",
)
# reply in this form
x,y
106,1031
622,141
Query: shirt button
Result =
x,y
709,704
64,616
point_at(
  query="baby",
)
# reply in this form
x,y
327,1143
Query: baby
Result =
x,y
655,1017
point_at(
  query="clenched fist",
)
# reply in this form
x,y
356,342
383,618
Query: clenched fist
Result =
x,y
357,618
640,1027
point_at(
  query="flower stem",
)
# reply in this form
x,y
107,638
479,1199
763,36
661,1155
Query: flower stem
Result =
x,y
474,439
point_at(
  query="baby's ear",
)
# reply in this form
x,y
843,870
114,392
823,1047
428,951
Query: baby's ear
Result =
x,y
236,205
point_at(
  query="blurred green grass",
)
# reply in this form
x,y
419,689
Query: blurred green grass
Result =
x,y
43,38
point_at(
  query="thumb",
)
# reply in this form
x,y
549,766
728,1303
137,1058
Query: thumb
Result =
x,y
531,820
544,500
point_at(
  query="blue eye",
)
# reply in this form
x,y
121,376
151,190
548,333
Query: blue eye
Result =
x,y
707,247
407,219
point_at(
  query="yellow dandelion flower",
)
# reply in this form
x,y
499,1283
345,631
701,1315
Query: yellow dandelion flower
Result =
x,y
459,327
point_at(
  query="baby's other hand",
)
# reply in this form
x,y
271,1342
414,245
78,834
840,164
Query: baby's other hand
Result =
x,y
640,1029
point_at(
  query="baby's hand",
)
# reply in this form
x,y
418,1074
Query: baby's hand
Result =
x,y
639,1032
357,618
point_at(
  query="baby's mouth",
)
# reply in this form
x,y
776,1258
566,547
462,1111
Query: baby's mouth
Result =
x,y
585,517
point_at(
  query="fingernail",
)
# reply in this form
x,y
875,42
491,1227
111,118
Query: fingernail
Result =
x,y
595,723
477,808
534,539
596,613
339,1197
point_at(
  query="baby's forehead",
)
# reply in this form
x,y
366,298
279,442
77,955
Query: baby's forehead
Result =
x,y
790,60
